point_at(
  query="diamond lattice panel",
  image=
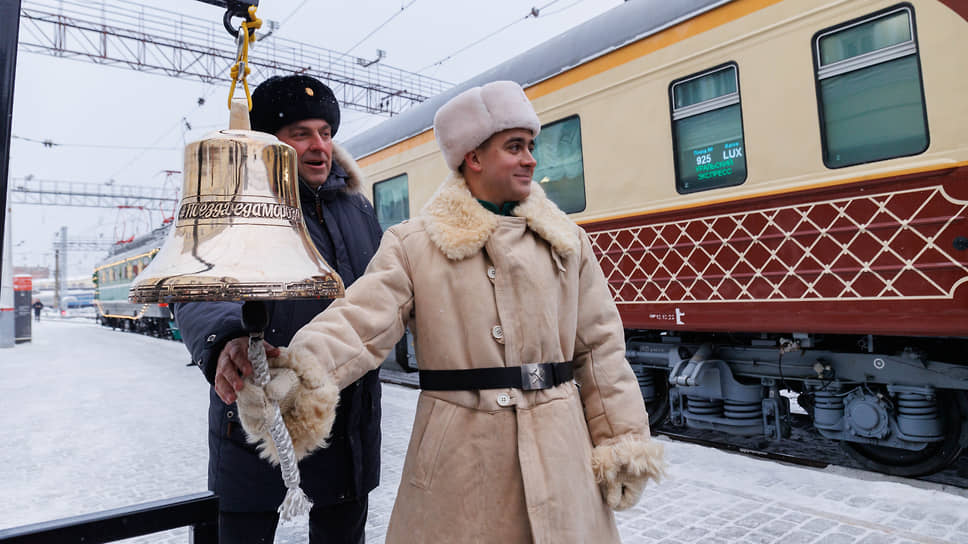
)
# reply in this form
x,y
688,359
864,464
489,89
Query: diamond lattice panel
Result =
x,y
873,247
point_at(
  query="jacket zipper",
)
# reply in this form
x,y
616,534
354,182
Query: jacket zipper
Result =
x,y
319,209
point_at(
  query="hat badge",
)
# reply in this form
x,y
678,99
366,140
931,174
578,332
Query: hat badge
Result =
x,y
309,91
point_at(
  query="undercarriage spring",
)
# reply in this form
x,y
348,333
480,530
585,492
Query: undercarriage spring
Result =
x,y
705,407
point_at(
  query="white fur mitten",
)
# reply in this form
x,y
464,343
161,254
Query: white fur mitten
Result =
x,y
623,465
307,397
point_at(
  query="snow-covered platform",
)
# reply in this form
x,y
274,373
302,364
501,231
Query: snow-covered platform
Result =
x,y
96,419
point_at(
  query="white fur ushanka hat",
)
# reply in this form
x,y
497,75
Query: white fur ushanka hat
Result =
x,y
470,118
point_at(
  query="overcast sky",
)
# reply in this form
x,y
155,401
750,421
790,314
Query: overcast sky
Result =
x,y
78,104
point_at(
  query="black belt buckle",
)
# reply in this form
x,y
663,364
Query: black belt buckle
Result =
x,y
536,376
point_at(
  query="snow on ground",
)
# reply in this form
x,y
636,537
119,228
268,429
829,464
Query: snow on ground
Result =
x,y
97,419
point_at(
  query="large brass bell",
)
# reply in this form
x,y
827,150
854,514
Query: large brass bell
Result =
x,y
239,235
239,232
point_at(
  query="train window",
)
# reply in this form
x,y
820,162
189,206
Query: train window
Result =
x,y
869,91
560,170
391,200
707,130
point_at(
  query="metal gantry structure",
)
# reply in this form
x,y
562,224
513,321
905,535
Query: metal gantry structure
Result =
x,y
93,245
48,192
164,42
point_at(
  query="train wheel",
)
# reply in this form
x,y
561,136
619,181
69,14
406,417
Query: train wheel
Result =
x,y
936,456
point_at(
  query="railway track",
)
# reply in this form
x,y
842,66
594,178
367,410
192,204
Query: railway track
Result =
x,y
804,447
761,453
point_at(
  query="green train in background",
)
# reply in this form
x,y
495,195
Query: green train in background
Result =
x,y
112,278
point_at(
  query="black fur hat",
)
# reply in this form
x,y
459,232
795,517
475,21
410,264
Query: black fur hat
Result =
x,y
281,100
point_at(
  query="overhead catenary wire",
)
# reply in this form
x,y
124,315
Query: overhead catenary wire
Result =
x,y
130,15
132,22
533,13
292,13
380,26
139,155
131,159
563,8
137,15
180,123
135,21
51,144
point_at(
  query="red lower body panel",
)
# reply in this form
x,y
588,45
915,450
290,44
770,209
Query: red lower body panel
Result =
x,y
886,256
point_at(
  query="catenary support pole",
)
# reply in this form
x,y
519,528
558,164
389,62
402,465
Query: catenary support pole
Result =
x,y
9,26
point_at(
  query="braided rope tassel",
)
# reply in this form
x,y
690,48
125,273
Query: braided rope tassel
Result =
x,y
296,502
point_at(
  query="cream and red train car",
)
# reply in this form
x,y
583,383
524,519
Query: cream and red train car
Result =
x,y
778,195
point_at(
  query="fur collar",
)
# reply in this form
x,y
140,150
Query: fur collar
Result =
x,y
354,176
460,226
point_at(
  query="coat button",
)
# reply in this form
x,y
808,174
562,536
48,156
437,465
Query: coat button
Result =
x,y
498,333
491,272
211,338
504,399
230,414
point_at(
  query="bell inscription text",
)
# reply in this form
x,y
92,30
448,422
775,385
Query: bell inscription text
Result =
x,y
220,209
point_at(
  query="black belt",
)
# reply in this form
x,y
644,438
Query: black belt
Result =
x,y
527,377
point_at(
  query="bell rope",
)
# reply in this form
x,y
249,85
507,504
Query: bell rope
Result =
x,y
296,502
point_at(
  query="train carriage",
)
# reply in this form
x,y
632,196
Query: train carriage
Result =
x,y
777,192
112,279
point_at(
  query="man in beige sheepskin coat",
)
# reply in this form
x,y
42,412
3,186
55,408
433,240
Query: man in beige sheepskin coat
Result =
x,y
509,309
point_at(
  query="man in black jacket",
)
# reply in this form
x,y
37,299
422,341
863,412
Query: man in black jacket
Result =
x,y
303,113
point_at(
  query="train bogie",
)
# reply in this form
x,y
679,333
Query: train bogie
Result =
x,y
901,413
